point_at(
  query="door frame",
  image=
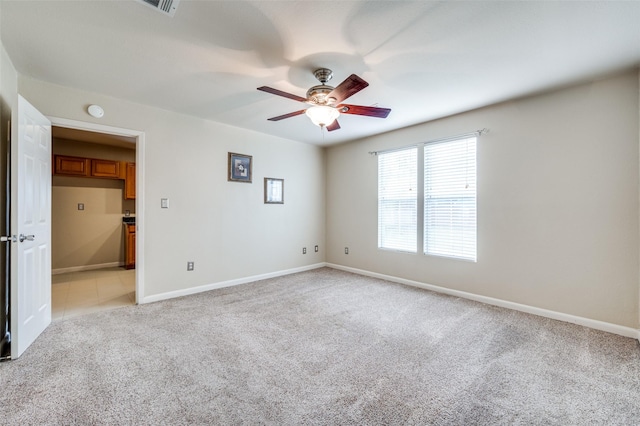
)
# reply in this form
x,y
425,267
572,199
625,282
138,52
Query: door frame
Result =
x,y
140,140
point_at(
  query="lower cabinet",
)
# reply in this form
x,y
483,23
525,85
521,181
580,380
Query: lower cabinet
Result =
x,y
130,246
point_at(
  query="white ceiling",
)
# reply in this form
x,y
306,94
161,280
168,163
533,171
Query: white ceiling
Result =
x,y
422,59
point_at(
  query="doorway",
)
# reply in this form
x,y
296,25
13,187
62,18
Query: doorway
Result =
x,y
90,216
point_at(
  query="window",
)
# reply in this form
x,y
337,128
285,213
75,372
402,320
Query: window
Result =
x,y
398,200
450,198
443,175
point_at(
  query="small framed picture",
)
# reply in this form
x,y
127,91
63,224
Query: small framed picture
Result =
x,y
273,191
239,167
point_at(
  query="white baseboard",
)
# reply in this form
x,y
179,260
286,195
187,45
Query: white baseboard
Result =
x,y
586,322
230,283
86,268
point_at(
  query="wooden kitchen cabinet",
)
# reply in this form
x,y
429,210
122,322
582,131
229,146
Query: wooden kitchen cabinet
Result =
x,y
71,166
105,168
130,246
130,181
86,167
98,168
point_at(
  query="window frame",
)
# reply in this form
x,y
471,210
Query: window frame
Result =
x,y
421,213
458,162
394,193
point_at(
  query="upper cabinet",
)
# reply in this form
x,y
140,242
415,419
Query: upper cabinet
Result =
x,y
87,167
130,181
105,168
97,168
71,166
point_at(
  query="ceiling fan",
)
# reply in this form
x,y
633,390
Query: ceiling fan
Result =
x,y
326,101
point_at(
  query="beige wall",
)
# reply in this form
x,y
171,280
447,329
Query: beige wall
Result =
x,y
8,84
93,236
557,203
8,101
223,226
93,150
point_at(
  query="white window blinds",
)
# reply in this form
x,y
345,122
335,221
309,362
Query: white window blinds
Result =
x,y
450,198
397,200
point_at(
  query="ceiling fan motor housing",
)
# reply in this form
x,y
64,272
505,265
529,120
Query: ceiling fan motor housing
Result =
x,y
323,75
318,94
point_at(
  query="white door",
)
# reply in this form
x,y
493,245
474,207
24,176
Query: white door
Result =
x,y
31,224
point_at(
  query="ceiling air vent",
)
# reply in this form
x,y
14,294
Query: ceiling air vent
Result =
x,y
168,7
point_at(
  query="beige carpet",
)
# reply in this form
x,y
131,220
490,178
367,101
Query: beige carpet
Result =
x,y
321,347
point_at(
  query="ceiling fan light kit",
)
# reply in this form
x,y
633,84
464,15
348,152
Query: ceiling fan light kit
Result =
x,y
321,115
326,101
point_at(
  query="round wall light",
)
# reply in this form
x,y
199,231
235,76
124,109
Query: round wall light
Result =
x,y
95,111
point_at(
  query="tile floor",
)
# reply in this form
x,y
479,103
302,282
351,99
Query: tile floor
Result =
x,y
79,293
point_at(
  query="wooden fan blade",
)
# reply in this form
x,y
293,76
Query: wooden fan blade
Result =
x,y
364,110
352,85
281,93
291,114
333,126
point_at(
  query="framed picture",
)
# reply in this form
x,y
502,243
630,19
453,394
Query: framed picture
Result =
x,y
239,167
273,191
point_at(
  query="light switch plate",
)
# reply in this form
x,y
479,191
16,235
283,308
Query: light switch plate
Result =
x,y
164,203
80,206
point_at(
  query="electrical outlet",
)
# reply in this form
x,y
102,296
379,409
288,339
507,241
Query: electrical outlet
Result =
x,y
190,266
127,213
164,203
304,250
80,206
316,248
346,250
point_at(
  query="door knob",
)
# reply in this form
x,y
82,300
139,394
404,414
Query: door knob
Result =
x,y
26,237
